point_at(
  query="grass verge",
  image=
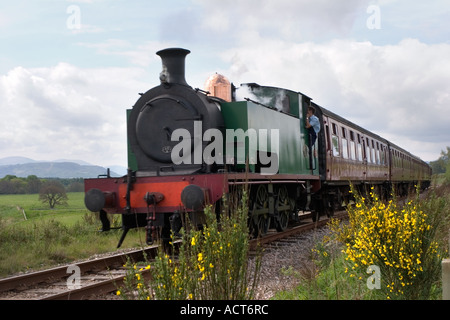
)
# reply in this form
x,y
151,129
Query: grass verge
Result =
x,y
52,236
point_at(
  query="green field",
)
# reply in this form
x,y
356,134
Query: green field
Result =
x,y
44,237
11,208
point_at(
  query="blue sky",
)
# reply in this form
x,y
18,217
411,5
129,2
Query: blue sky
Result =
x,y
69,69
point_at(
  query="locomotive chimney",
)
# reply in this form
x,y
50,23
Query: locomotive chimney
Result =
x,y
173,65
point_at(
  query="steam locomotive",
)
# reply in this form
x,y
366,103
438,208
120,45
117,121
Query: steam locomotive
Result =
x,y
187,147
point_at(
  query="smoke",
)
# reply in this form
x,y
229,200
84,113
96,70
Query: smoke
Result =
x,y
280,101
270,97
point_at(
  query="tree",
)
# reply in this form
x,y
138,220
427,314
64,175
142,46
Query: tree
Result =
x,y
75,187
34,184
440,165
53,193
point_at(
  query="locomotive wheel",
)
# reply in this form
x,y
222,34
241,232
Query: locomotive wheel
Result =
x,y
330,212
260,212
328,204
315,210
283,206
315,216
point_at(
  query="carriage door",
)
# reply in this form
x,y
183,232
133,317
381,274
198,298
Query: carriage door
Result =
x,y
365,157
328,160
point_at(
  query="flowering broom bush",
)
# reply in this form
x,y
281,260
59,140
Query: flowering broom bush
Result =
x,y
212,263
400,241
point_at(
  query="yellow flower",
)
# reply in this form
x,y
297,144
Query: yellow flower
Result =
x,y
200,256
193,241
118,292
211,265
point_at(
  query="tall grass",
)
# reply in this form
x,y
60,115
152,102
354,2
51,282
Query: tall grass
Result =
x,y
52,236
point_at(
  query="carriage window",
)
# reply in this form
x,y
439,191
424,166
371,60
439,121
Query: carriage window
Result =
x,y
352,146
344,149
359,152
344,144
377,153
335,141
369,160
373,152
334,129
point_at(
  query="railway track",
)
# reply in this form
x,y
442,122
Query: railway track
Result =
x,y
305,225
96,276
104,275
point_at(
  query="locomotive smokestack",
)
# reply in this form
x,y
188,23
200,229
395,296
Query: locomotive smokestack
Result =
x,y
173,62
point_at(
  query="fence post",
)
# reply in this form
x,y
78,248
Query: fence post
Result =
x,y
446,279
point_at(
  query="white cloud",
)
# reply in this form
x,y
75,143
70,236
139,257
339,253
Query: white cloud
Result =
x,y
68,112
399,91
287,19
141,55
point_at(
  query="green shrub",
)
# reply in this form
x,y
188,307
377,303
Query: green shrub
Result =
x,y
212,263
401,241
406,242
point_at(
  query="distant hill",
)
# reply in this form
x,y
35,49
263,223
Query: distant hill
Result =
x,y
25,167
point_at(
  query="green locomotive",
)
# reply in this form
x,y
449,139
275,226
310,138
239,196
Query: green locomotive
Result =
x,y
187,147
